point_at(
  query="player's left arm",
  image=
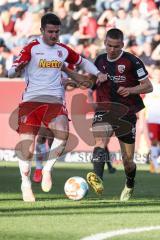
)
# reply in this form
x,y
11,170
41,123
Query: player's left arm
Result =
x,y
145,86
77,76
140,73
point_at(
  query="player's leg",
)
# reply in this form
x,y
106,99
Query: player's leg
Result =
x,y
41,152
29,121
130,169
25,153
154,156
59,126
154,132
127,145
111,169
101,134
95,178
99,157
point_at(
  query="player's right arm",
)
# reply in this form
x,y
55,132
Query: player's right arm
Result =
x,y
21,61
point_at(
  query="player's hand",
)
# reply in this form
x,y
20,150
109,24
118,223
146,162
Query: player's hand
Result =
x,y
20,66
101,77
124,92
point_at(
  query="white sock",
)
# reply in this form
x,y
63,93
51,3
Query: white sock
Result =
x,y
56,150
154,156
25,171
41,151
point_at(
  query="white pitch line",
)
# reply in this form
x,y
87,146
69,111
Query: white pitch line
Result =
x,y
108,235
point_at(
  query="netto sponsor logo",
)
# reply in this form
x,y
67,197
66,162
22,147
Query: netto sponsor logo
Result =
x,y
43,63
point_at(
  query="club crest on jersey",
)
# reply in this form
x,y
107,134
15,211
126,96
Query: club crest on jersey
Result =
x,y
121,68
60,54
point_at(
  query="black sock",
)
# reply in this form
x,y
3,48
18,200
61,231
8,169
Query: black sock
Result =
x,y
108,162
98,160
130,178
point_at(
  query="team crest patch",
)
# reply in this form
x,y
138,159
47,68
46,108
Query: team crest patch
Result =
x,y
121,68
60,54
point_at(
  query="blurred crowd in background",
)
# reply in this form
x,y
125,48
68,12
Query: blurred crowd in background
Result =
x,y
84,25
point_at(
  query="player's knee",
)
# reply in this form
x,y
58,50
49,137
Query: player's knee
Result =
x,y
25,149
60,130
99,155
129,166
127,157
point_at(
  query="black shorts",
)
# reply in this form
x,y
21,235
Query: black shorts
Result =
x,y
124,127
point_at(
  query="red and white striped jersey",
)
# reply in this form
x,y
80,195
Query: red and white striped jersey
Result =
x,y
43,70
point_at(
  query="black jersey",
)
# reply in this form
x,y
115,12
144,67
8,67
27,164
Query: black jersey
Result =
x,y
126,71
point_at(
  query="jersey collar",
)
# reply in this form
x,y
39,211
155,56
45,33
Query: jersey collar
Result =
x,y
44,44
115,59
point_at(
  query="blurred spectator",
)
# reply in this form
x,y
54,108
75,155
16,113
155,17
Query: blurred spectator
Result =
x,y
35,6
7,23
68,27
87,26
22,4
156,55
84,24
22,27
127,5
91,48
146,55
2,70
122,22
137,27
153,119
76,5
102,5
99,41
107,19
153,25
4,55
145,7
35,29
5,5
157,2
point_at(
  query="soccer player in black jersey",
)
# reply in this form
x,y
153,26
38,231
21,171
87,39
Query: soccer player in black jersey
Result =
x,y
117,102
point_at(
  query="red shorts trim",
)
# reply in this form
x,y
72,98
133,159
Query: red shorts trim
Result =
x,y
31,115
154,131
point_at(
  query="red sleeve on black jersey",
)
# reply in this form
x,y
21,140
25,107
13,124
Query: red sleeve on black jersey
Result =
x,y
73,57
25,54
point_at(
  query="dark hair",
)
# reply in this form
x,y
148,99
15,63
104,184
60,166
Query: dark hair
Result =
x,y
115,33
50,18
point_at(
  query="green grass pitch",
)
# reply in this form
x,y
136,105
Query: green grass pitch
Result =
x,y
55,217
